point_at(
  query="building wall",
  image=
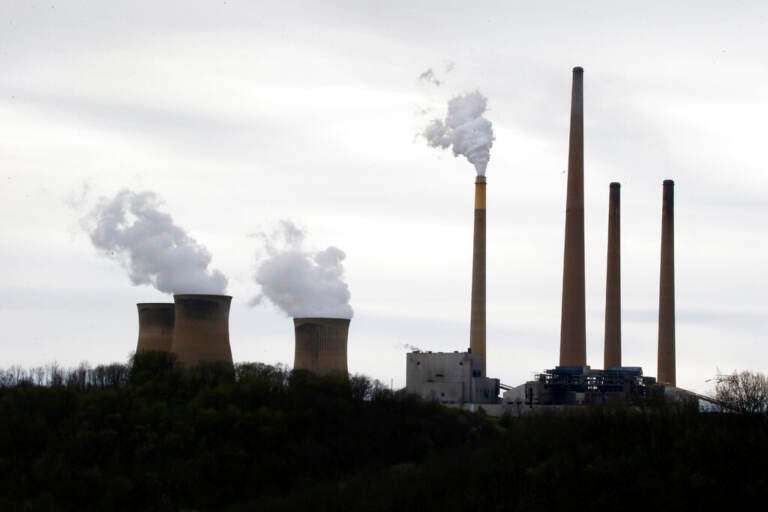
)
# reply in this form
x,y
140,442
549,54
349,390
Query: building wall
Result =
x,y
449,377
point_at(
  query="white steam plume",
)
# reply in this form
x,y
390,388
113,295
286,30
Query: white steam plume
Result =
x,y
429,77
302,283
465,129
130,228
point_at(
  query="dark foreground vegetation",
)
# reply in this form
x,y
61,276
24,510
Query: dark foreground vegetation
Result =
x,y
148,436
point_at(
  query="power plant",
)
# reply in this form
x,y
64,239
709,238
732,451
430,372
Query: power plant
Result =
x,y
196,330
321,345
201,329
196,327
155,327
459,377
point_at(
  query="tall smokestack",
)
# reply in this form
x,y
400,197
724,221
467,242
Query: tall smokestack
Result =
x,y
612,355
666,369
477,315
321,345
201,331
573,346
155,327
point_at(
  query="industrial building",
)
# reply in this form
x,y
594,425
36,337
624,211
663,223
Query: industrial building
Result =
x,y
195,328
450,377
459,377
578,385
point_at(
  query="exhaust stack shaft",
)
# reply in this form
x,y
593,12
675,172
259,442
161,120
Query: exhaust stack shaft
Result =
x,y
573,346
612,355
666,362
477,314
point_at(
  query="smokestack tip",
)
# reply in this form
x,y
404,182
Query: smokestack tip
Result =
x,y
321,319
669,183
480,179
154,305
578,69
615,184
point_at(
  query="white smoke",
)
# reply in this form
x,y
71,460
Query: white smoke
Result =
x,y
465,129
429,77
302,283
130,228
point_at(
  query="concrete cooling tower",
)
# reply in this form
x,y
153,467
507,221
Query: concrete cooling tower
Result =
x,y
201,331
155,327
321,345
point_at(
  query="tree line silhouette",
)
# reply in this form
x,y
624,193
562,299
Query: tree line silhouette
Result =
x,y
148,435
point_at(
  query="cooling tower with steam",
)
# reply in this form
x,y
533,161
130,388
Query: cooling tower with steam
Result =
x,y
321,345
573,346
612,354
477,314
666,361
155,326
201,330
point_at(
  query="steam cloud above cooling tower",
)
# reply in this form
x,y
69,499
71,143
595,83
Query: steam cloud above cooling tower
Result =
x,y
130,228
465,129
300,282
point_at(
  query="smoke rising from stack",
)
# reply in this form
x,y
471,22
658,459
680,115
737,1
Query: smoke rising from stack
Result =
x,y
131,229
465,130
429,77
300,282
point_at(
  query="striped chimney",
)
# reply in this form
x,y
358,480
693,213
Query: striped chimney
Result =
x,y
477,314
573,346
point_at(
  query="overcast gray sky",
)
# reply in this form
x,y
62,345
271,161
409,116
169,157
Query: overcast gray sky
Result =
x,y
241,113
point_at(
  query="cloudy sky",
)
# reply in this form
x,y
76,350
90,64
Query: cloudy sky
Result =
x,y
241,113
